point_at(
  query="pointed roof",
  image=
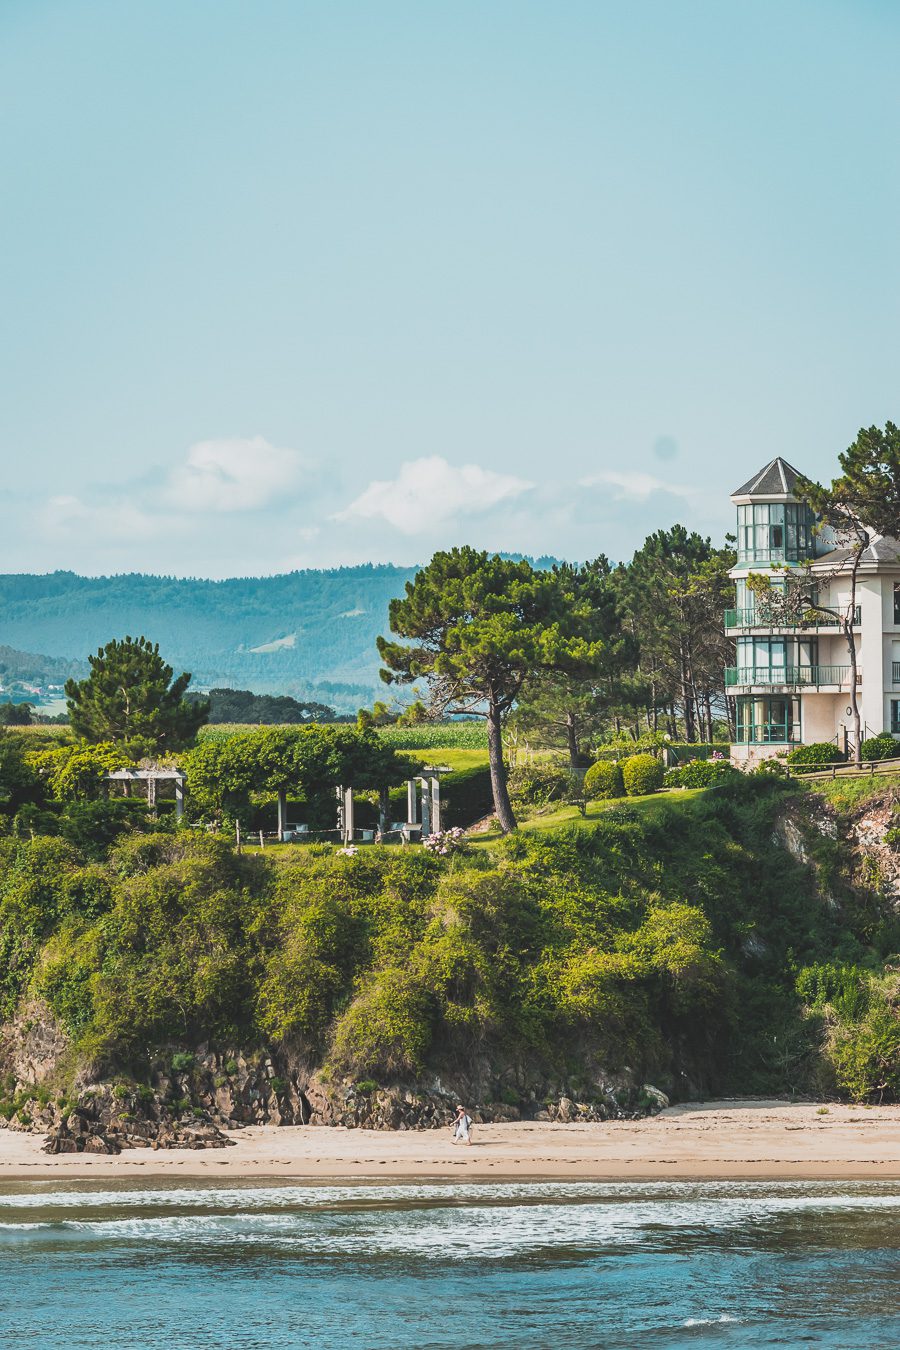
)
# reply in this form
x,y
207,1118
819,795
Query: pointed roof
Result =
x,y
777,479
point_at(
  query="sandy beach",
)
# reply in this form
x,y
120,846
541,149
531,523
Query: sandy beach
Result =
x,y
716,1141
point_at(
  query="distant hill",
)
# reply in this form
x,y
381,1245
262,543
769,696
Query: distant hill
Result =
x,y
309,634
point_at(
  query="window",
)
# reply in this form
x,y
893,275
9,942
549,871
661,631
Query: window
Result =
x,y
897,602
769,721
775,532
775,660
895,716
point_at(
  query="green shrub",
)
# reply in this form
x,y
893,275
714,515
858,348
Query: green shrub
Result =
x,y
366,1086
880,747
604,779
182,1062
538,784
465,796
642,774
701,773
809,758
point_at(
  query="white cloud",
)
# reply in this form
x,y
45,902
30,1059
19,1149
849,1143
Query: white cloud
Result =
x,y
72,519
634,486
429,492
233,475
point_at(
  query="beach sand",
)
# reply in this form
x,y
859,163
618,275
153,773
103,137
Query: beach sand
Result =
x,y
723,1140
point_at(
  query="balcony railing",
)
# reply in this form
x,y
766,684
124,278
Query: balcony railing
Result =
x,y
755,618
793,676
771,555
895,672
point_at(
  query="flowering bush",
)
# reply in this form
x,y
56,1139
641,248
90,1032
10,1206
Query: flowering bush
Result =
x,y
348,851
446,842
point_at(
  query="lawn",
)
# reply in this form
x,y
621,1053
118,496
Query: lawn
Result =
x,y
457,760
667,801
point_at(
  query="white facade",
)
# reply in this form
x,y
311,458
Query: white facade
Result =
x,y
791,683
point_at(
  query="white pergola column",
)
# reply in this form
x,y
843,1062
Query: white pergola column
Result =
x,y
179,798
412,814
435,806
426,809
348,815
282,813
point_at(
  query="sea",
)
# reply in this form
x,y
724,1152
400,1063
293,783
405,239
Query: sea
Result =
x,y
450,1266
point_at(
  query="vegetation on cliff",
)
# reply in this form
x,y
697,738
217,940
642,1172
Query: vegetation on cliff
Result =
x,y
684,946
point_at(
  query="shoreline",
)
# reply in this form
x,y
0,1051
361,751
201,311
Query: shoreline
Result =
x,y
746,1140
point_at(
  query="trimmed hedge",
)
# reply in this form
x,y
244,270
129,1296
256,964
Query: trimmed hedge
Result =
x,y
808,758
880,747
701,773
642,774
604,779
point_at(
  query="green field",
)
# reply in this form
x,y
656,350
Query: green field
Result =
x,y
565,817
424,736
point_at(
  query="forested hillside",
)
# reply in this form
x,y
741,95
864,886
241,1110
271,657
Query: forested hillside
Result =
x,y
305,633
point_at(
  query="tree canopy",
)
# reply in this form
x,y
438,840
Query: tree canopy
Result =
x,y
132,699
476,627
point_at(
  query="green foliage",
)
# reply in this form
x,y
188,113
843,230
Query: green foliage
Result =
x,y
131,699
240,705
818,755
701,773
476,628
880,747
182,1062
642,774
604,779
661,941
536,785
860,1014
386,1028
456,734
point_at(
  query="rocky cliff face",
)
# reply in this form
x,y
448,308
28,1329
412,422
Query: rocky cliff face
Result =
x,y
199,1098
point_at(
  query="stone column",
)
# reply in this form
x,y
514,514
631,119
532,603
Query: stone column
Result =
x,y
435,806
282,813
426,809
348,815
179,798
339,793
412,814
151,795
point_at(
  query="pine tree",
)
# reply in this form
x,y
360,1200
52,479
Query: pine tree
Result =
x,y
131,699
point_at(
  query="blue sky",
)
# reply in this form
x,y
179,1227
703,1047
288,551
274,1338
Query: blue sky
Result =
x,y
289,284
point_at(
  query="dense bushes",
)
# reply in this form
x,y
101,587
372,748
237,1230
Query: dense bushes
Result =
x,y
859,1012
634,943
818,755
880,747
604,779
642,774
701,773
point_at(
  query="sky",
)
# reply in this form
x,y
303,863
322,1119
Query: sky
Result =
x,y
299,285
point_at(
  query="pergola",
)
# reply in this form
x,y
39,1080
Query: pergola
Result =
x,y
423,807
151,777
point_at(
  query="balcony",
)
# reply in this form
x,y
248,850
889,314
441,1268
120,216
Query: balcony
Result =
x,y
895,673
754,618
793,677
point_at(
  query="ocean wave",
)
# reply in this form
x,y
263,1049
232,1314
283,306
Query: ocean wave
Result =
x,y
449,1223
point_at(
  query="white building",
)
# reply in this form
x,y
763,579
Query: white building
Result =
x,y
791,682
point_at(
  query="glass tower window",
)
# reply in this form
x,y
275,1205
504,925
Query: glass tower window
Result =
x,y
775,532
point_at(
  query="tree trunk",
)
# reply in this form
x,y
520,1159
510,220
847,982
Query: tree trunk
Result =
x,y
851,647
686,700
502,804
571,740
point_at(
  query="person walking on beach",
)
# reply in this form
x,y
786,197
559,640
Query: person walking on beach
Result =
x,y
462,1126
